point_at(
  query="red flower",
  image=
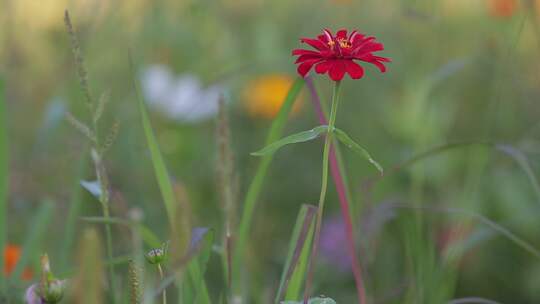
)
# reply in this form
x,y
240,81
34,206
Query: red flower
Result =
x,y
12,253
336,55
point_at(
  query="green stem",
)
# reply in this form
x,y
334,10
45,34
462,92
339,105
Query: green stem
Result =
x,y
164,289
104,199
108,237
324,185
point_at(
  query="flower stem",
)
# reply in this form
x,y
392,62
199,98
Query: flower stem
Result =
x,y
108,239
162,277
324,184
340,180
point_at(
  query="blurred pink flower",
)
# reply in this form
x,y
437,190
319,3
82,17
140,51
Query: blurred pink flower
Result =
x,y
333,243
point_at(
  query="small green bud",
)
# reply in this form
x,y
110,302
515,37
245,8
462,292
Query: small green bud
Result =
x,y
50,290
155,256
53,292
158,255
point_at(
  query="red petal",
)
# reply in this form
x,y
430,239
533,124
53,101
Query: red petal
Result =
x,y
304,68
342,34
304,52
323,38
381,66
303,58
354,69
328,34
361,41
337,71
319,45
384,59
324,66
354,35
375,61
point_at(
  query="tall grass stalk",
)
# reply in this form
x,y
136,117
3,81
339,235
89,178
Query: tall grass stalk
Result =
x,y
226,185
324,185
95,109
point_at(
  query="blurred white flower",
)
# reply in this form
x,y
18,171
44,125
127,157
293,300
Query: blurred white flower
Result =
x,y
181,98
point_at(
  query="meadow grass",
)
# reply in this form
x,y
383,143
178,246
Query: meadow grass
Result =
x,y
187,214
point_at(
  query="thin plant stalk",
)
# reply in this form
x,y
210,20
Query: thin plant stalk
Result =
x,y
94,139
162,276
339,177
324,186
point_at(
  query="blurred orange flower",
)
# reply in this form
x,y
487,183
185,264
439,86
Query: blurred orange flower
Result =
x,y
12,254
263,96
502,8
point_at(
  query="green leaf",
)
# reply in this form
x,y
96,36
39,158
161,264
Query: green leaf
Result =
x,y
312,301
299,249
347,141
255,186
160,170
292,139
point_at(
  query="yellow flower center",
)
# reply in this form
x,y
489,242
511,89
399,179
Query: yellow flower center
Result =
x,y
344,43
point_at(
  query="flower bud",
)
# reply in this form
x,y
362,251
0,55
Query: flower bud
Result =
x,y
50,289
53,291
155,256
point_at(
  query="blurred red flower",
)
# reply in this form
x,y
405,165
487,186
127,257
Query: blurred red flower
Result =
x,y
12,254
502,8
336,55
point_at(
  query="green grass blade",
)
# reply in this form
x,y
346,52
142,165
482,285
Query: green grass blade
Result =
x,y
200,249
293,273
38,230
347,141
3,176
195,290
523,162
503,231
256,183
299,137
158,163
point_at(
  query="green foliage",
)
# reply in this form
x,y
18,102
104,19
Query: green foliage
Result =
x,y
294,270
255,186
464,110
299,137
194,287
312,301
158,163
348,142
36,235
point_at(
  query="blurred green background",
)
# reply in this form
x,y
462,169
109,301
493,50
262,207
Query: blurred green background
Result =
x,y
462,71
